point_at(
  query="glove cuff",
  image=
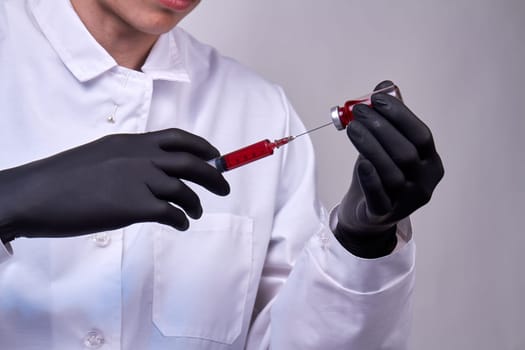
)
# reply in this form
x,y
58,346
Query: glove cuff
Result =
x,y
6,240
366,244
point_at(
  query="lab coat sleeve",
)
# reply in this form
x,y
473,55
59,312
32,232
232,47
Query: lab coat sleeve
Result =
x,y
313,293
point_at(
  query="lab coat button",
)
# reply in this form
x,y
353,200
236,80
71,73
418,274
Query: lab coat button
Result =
x,y
94,339
102,239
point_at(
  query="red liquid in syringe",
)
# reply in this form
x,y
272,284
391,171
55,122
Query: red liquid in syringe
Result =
x,y
248,154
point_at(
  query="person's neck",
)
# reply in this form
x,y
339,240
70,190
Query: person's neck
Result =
x,y
128,46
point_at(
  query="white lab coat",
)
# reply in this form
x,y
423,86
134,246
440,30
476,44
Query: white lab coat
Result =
x,y
259,270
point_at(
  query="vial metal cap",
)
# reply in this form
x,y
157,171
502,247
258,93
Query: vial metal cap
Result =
x,y
334,113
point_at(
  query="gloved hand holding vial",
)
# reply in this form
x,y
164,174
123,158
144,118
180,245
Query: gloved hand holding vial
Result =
x,y
396,172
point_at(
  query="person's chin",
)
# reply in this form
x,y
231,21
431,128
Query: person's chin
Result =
x,y
157,24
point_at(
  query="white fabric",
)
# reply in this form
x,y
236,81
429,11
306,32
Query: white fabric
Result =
x,y
260,269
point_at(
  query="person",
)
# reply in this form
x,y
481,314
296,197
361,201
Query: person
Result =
x,y
119,235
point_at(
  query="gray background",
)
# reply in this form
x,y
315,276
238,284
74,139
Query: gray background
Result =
x,y
460,66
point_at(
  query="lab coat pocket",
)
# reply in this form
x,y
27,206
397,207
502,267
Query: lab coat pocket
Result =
x,y
202,278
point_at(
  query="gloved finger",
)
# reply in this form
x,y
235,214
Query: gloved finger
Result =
x,y
377,200
167,214
175,191
429,175
368,146
183,141
383,84
406,122
190,167
438,170
417,196
401,150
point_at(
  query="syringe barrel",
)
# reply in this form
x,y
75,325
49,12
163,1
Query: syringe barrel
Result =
x,y
342,116
243,156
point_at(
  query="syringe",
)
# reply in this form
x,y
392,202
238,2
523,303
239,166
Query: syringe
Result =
x,y
341,117
248,154
253,152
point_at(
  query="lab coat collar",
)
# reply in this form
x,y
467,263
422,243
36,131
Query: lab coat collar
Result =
x,y
86,59
167,59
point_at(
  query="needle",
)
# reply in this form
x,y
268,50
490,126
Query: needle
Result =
x,y
314,129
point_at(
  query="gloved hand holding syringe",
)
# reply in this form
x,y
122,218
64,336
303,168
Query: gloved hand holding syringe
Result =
x,y
341,117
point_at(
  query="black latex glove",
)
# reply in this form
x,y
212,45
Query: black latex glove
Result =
x,y
395,174
110,183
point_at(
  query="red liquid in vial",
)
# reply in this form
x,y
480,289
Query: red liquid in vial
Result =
x,y
346,115
342,116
